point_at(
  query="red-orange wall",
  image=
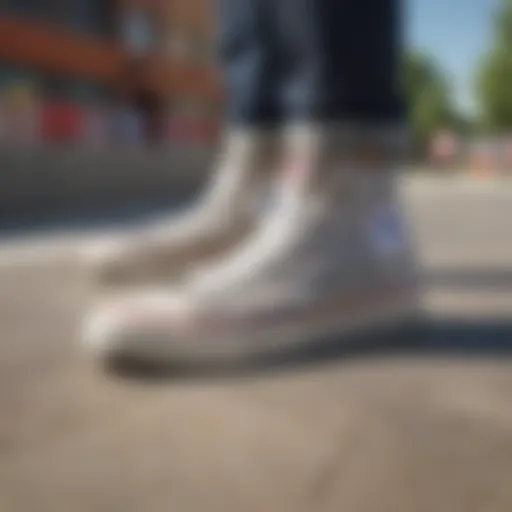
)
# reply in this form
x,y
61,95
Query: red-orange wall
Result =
x,y
44,47
58,50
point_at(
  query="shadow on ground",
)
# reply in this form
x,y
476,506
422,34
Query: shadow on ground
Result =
x,y
471,279
432,338
117,216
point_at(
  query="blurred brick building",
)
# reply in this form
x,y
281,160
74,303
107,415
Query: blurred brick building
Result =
x,y
151,55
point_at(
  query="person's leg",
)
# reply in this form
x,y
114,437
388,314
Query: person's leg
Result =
x,y
249,56
229,207
344,59
331,258
343,96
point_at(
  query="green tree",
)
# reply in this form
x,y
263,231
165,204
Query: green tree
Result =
x,y
428,98
494,76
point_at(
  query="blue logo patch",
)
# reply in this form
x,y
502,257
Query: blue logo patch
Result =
x,y
387,231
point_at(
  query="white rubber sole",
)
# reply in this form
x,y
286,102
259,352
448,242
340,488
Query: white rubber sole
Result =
x,y
261,339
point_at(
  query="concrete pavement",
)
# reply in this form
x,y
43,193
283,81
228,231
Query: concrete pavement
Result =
x,y
407,431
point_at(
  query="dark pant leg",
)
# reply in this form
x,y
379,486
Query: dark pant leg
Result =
x,y
342,59
249,56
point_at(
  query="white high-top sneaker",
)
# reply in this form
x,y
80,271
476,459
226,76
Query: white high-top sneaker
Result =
x,y
228,210
331,259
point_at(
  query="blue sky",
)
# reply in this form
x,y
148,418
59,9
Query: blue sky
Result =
x,y
457,32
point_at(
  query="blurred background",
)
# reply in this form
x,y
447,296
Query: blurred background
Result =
x,y
99,99
105,72
116,73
